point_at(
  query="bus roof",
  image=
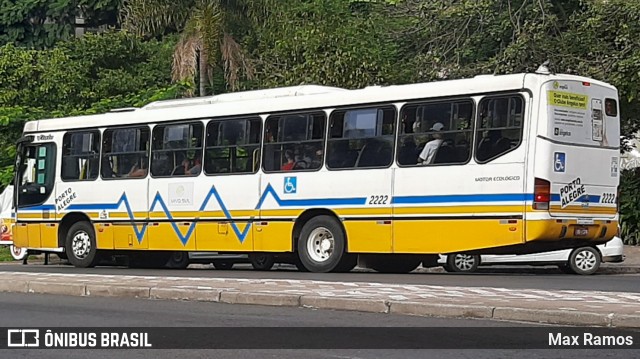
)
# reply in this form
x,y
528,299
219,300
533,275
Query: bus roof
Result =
x,y
298,98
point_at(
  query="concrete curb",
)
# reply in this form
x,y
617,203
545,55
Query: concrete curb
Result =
x,y
444,310
340,303
441,310
200,295
553,316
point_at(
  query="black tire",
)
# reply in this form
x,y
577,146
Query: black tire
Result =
x,y
584,260
178,260
348,262
299,265
222,265
395,265
565,269
327,240
262,261
462,263
81,236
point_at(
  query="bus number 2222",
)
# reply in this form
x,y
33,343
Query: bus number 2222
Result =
x,y
378,199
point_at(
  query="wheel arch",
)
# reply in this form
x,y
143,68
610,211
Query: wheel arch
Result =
x,y
67,221
306,216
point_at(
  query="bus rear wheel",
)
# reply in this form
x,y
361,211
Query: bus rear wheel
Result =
x,y
262,261
80,245
178,260
321,245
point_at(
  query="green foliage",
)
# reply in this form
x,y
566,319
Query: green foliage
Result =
x,y
40,24
629,206
89,75
328,42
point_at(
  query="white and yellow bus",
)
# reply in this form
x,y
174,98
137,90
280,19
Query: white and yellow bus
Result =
x,y
392,175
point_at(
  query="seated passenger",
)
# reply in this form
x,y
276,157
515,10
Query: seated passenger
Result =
x,y
288,166
137,171
429,151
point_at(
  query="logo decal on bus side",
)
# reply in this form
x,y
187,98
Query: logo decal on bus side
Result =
x,y
559,161
290,185
572,192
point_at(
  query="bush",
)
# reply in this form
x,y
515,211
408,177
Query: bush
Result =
x,y
630,206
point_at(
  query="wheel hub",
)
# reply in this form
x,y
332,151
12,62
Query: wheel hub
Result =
x,y
464,261
585,260
81,245
320,244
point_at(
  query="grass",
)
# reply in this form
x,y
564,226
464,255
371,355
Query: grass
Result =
x,y
5,254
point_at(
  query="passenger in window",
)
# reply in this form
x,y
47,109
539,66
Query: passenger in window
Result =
x,y
192,170
288,166
430,149
316,161
137,171
486,145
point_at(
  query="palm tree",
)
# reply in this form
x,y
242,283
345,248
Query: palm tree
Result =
x,y
206,41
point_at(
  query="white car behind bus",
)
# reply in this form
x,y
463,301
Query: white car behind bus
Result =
x,y
582,260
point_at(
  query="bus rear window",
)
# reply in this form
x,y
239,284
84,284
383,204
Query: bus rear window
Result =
x,y
611,107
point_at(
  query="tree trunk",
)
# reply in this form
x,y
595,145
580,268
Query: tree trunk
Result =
x,y
202,71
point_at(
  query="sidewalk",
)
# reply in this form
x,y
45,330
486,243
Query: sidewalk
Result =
x,y
566,307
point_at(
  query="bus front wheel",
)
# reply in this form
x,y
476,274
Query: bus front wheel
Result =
x,y
80,245
321,245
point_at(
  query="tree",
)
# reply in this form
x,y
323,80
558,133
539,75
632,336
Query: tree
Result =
x,y
327,42
208,34
40,24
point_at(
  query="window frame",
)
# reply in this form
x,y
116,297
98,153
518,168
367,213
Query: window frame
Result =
x,y
54,161
183,122
323,140
440,100
259,144
99,154
377,106
147,152
477,128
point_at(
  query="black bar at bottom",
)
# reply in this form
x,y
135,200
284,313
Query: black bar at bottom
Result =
x,y
321,338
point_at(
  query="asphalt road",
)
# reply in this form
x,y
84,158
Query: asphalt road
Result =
x,y
537,278
22,310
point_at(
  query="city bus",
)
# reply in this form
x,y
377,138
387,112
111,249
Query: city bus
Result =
x,y
386,177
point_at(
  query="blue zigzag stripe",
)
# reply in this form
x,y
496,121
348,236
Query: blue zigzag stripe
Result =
x,y
140,231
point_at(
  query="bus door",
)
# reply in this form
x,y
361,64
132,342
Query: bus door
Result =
x,y
227,193
124,188
34,183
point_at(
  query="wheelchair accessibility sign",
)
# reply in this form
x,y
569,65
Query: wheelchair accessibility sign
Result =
x,y
559,160
290,185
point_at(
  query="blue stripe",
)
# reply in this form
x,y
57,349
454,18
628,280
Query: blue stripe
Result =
x,y
555,197
241,234
43,207
464,198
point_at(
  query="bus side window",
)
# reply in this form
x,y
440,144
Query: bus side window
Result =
x,y
499,127
80,153
435,133
232,145
177,147
125,152
298,142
